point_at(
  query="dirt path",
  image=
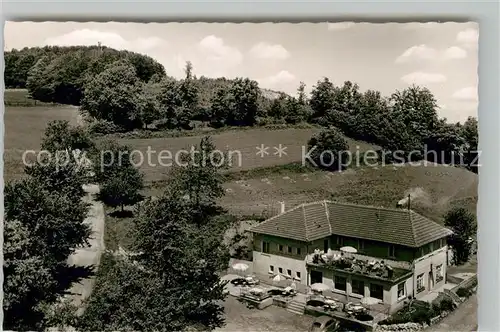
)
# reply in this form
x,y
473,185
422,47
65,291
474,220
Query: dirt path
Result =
x,y
90,255
463,319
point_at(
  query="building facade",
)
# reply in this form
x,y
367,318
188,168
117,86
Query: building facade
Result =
x,y
410,249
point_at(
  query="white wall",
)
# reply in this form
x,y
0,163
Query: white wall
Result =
x,y
261,263
423,266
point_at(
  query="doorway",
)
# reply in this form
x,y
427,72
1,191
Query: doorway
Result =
x,y
430,281
316,277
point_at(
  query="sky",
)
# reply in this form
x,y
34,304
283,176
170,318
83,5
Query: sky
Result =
x,y
386,57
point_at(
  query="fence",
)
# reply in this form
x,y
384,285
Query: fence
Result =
x,y
467,284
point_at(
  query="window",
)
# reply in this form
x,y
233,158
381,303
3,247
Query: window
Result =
x,y
265,247
392,251
298,251
358,287
297,275
377,291
361,245
271,269
439,273
280,270
401,291
340,283
420,283
289,249
280,248
289,273
326,245
340,240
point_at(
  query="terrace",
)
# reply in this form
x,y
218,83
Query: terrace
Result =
x,y
370,268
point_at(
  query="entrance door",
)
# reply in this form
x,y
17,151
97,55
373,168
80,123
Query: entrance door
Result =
x,y
316,277
430,281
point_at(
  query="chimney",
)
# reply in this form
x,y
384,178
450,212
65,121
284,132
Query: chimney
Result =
x,y
282,207
409,201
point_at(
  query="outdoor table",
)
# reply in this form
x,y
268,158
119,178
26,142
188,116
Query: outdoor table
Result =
x,y
331,304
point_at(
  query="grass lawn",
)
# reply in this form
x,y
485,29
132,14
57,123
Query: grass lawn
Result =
x,y
118,231
24,128
435,188
20,97
243,145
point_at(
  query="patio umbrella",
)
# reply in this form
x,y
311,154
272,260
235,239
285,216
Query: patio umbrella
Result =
x,y
319,287
368,301
256,290
278,278
349,250
240,267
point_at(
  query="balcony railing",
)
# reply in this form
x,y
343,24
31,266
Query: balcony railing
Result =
x,y
370,268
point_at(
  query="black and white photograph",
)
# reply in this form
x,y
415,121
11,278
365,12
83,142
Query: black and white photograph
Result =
x,y
227,177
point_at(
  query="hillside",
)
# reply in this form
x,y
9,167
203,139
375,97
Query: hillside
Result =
x,y
433,189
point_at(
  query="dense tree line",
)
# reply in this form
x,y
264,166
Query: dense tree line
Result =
x,y
44,225
58,74
124,91
405,125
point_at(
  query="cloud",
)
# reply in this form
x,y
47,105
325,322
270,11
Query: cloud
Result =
x,y
417,52
466,94
267,51
468,37
422,78
88,37
282,80
454,52
340,26
426,53
219,53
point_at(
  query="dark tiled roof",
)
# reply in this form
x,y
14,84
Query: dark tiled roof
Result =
x,y
311,221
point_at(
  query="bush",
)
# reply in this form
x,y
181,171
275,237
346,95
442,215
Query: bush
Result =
x,y
464,292
417,312
446,305
104,127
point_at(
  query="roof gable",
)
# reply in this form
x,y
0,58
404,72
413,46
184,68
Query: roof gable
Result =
x,y
311,221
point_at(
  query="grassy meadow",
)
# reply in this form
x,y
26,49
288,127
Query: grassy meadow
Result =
x,y
258,184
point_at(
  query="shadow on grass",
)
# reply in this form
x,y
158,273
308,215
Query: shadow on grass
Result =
x,y
122,214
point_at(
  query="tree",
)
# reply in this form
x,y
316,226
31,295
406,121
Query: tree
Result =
x,y
37,82
178,260
170,102
278,107
123,189
243,102
445,144
120,180
463,224
61,136
415,111
200,180
329,149
470,135
113,96
219,109
322,99
149,108
43,228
